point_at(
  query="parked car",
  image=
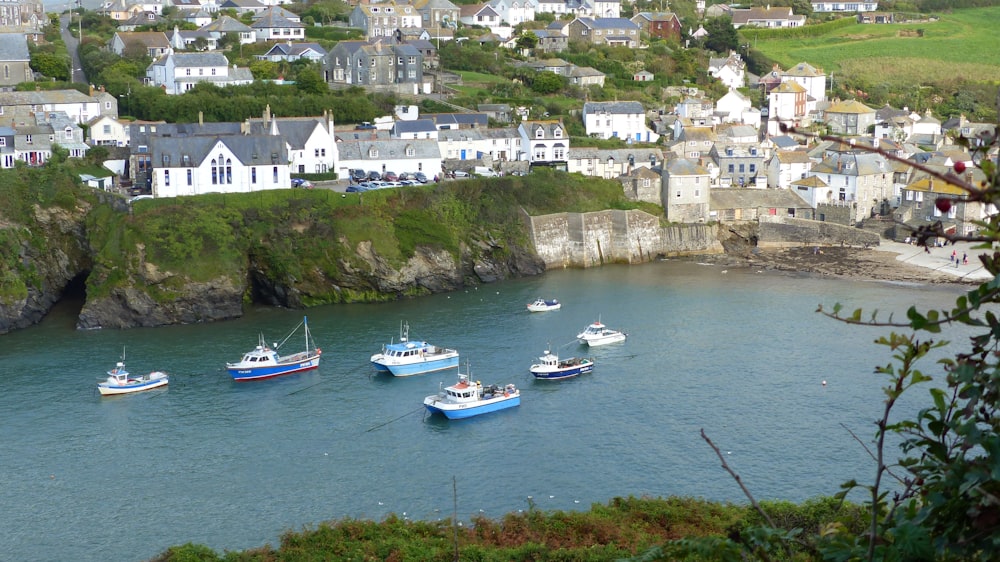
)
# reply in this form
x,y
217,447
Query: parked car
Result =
x,y
358,187
358,174
460,174
420,177
364,126
390,176
405,176
304,184
140,198
133,191
374,176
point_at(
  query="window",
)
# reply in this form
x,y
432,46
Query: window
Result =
x,y
410,152
166,177
678,193
229,171
187,72
213,72
253,175
107,129
742,166
732,168
539,133
215,172
68,133
27,139
189,176
753,168
316,153
3,141
275,174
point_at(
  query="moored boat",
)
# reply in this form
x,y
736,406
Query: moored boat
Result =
x,y
544,305
264,362
598,334
120,381
466,399
406,358
550,367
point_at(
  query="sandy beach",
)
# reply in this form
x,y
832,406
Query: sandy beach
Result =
x,y
890,261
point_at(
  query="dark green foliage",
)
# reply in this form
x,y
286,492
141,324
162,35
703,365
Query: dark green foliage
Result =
x,y
722,36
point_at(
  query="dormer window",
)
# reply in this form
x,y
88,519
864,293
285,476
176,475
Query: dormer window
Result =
x,y
557,133
539,133
373,152
410,152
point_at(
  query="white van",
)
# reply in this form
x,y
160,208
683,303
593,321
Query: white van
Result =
x,y
485,172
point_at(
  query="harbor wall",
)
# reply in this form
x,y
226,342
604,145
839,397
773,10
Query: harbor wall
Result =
x,y
614,236
778,232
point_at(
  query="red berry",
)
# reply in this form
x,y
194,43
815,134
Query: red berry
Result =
x,y
959,167
943,204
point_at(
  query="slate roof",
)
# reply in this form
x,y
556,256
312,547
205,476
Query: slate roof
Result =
x,y
226,24
613,107
415,126
684,167
639,155
852,164
388,149
750,198
271,20
170,151
467,119
42,97
13,47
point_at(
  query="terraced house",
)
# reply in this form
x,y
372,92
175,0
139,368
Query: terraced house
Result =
x,y
376,63
615,32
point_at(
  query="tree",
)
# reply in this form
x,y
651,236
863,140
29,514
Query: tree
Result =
x,y
527,41
547,83
310,81
50,65
722,36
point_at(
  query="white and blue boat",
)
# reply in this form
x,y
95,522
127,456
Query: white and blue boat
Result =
x,y
263,362
550,367
598,334
466,399
406,358
120,381
544,305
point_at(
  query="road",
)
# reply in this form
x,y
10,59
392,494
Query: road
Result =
x,y
72,44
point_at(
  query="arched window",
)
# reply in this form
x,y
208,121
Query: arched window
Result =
x,y
215,172
229,171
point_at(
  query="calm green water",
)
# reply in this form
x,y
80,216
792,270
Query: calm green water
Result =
x,y
740,354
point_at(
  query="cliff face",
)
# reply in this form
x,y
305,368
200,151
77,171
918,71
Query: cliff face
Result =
x,y
50,253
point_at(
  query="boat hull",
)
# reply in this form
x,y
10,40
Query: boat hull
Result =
x,y
436,405
543,308
242,374
419,367
594,342
543,372
112,390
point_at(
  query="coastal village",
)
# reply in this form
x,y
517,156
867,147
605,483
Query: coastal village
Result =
x,y
703,158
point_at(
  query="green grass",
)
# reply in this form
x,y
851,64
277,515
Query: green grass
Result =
x,y
961,45
469,77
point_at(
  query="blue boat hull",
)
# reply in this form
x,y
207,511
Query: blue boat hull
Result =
x,y
460,413
260,373
422,367
564,373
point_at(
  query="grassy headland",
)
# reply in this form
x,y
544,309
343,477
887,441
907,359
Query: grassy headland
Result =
x,y
956,51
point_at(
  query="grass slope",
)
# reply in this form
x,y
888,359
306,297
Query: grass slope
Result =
x,y
961,45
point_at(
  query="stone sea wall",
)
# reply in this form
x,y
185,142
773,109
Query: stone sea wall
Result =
x,y
778,232
612,236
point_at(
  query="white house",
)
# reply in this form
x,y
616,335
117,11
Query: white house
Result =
x,y
787,166
841,6
78,106
388,155
786,106
625,120
177,73
612,163
514,12
545,142
229,164
730,70
107,131
499,144
809,77
734,107
272,25
863,181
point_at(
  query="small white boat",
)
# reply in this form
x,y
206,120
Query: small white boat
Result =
x,y
465,399
550,367
599,334
263,362
544,305
413,357
120,381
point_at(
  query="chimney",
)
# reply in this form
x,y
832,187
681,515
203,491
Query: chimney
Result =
x,y
91,90
201,119
267,114
274,127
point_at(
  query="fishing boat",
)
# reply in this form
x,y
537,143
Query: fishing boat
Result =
x,y
466,399
550,367
406,358
120,381
598,334
264,362
544,305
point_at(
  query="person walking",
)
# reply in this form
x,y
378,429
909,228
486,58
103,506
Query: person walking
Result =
x,y
965,259
954,256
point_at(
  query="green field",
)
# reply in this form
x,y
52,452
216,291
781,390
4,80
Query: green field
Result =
x,y
960,46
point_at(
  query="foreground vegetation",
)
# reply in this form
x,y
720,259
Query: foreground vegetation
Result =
x,y
623,528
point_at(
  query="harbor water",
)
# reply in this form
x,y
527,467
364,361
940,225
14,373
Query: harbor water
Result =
x,y
739,353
